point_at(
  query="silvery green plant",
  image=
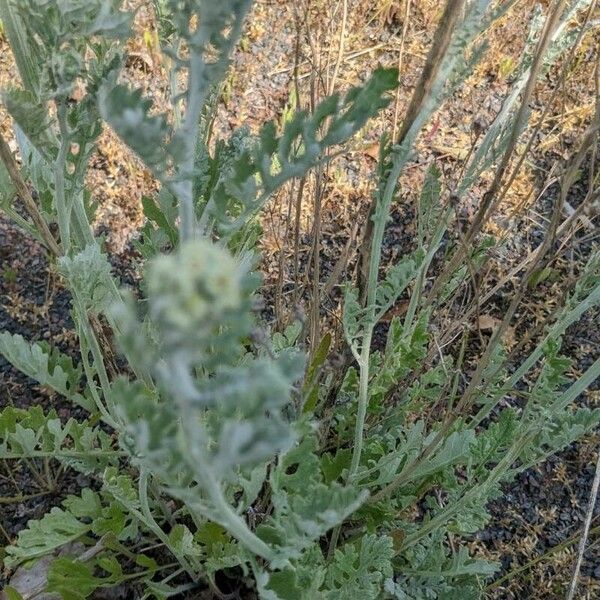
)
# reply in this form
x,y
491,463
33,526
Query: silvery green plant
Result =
x,y
225,454
205,417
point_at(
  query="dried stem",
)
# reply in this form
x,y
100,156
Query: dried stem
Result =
x,y
23,192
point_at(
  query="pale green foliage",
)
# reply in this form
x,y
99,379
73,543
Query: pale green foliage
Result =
x,y
239,181
128,114
33,120
46,365
304,506
197,301
227,449
431,573
360,569
89,277
31,433
56,529
65,26
274,159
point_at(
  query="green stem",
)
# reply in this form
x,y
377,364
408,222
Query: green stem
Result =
x,y
363,402
221,512
380,221
225,514
81,224
441,68
106,416
189,130
193,570
92,343
23,498
62,209
590,375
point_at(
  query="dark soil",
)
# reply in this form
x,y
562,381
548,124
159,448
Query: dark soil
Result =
x,y
33,305
546,505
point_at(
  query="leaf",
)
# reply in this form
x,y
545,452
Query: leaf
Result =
x,y
29,433
353,315
42,537
304,507
150,137
492,443
107,516
301,580
155,214
89,276
73,579
403,353
32,117
311,382
182,540
26,53
252,484
266,165
287,339
506,67
429,202
396,280
429,568
359,570
541,275
333,465
159,233
455,449
386,456
44,364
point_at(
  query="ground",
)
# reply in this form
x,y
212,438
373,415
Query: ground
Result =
x,y
290,56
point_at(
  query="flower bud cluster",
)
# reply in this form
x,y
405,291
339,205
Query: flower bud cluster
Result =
x,y
192,289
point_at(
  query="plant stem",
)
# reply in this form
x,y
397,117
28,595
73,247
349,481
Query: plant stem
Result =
x,y
225,514
92,342
151,523
23,498
189,131
191,441
62,209
363,401
423,103
106,416
23,191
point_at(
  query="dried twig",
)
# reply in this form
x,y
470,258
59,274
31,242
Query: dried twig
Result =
x,y
23,192
586,530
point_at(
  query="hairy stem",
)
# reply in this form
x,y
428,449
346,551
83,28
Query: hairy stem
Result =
x,y
62,208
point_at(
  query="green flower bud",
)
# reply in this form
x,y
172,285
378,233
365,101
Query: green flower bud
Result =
x,y
191,289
